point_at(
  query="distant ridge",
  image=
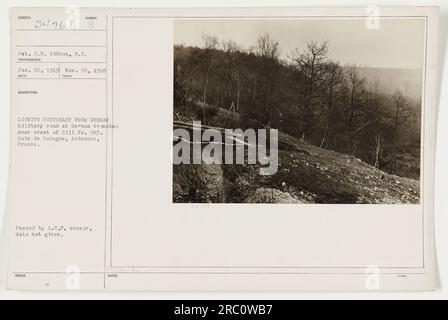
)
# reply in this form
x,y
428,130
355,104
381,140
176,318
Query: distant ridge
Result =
x,y
408,81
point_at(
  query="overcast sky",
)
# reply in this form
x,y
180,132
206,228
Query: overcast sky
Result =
x,y
399,43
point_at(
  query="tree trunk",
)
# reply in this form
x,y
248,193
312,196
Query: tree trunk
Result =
x,y
329,116
395,138
325,137
238,94
255,90
205,90
378,150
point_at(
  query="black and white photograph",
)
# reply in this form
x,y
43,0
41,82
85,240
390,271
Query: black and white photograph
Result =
x,y
298,111
278,151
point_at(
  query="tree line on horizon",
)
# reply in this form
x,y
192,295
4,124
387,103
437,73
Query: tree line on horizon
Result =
x,y
308,96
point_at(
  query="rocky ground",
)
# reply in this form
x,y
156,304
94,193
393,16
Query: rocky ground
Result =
x,y
307,174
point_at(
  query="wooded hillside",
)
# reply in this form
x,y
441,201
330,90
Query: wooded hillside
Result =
x,y
308,96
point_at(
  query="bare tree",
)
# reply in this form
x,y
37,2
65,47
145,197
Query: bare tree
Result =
x,y
311,64
356,86
269,52
333,81
378,140
233,71
182,79
210,45
375,119
401,114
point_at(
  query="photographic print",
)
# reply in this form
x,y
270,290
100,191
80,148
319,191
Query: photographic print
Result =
x,y
298,111
223,149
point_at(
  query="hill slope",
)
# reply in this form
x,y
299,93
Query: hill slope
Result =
x,y
307,174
